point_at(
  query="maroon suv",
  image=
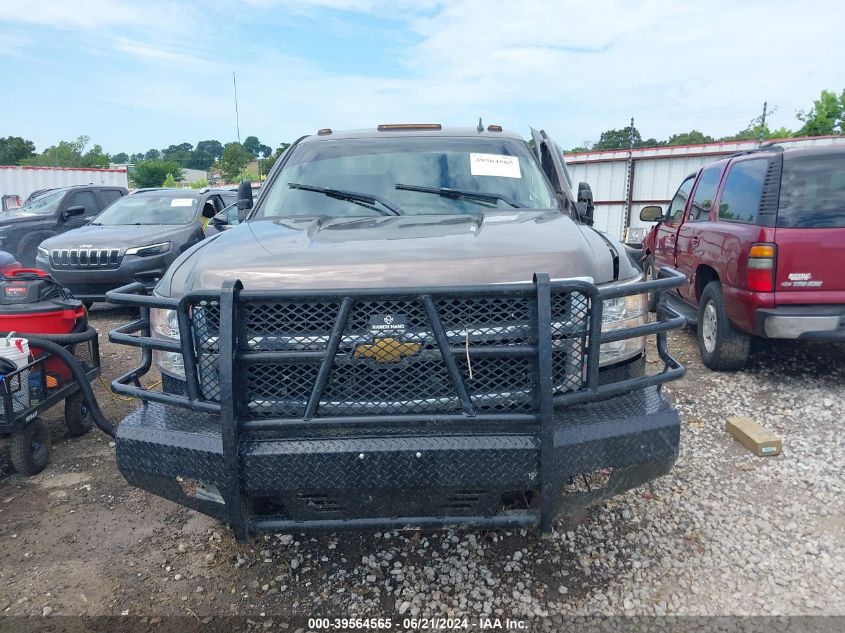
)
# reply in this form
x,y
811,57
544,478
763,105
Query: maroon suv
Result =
x,y
760,237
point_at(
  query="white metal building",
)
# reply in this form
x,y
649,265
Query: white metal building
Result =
x,y
22,181
624,181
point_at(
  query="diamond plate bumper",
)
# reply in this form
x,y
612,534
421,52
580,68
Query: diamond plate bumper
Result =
x,y
393,478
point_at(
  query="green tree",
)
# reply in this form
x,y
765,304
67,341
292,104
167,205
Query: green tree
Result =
x,y
689,138
271,160
256,147
618,139
70,154
235,157
152,154
753,131
120,158
153,173
212,148
200,160
170,182
827,116
95,157
136,158
14,149
199,184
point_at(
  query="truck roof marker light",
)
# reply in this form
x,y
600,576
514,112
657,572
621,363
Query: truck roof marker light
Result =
x,y
324,131
760,272
392,127
494,128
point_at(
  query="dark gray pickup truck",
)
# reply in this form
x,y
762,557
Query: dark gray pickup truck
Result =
x,y
411,327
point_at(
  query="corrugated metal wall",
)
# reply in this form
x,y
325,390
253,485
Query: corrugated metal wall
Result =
x,y
24,180
657,172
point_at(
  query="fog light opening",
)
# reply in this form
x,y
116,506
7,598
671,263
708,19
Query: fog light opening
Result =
x,y
589,482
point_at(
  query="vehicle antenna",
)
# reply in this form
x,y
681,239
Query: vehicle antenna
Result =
x,y
237,121
480,127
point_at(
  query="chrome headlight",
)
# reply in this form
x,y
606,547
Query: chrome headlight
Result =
x,y
164,325
621,313
43,253
149,249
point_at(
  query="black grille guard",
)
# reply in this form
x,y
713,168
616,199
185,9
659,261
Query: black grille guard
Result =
x,y
552,380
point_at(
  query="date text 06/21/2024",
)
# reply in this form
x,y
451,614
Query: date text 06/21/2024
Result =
x,y
417,624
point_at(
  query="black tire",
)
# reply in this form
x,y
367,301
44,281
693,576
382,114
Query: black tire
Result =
x,y
722,346
28,250
30,448
77,416
650,273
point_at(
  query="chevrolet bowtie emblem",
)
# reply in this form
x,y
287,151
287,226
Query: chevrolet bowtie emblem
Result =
x,y
387,350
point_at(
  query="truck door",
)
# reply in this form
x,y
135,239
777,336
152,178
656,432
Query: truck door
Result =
x,y
691,241
551,160
78,198
664,242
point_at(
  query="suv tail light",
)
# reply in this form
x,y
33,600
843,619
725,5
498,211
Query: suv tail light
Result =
x,y
761,268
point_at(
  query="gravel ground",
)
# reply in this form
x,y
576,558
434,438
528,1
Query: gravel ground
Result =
x,y
724,533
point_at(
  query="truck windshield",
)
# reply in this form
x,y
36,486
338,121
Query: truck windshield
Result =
x,y
149,209
812,192
45,204
487,173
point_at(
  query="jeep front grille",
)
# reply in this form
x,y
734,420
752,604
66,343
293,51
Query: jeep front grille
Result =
x,y
101,258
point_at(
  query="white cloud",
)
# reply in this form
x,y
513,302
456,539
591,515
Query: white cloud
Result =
x,y
574,68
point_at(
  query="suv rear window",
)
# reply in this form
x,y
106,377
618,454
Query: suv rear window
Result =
x,y
812,192
741,194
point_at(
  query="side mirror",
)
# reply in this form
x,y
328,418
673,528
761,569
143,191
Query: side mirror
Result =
x,y
585,200
585,192
651,213
244,199
245,195
221,220
72,211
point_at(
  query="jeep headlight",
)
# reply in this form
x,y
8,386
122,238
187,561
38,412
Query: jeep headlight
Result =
x,y
621,313
164,326
149,249
43,254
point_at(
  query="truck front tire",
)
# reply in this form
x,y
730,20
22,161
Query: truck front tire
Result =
x,y
650,273
722,346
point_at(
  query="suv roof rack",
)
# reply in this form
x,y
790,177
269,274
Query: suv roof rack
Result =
x,y
765,147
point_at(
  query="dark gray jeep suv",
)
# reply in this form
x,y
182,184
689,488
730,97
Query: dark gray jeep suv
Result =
x,y
135,239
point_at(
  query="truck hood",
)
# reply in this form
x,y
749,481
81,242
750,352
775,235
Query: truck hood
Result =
x,y
11,217
393,252
121,236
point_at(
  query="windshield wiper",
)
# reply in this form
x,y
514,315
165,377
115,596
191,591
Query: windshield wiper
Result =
x,y
352,196
458,193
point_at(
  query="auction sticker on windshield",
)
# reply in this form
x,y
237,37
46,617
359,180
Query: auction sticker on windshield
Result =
x,y
494,165
182,202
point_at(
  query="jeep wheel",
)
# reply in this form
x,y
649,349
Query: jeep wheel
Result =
x,y
651,273
27,251
721,345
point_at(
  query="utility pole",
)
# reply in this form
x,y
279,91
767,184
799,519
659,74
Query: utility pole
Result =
x,y
237,121
629,181
762,125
